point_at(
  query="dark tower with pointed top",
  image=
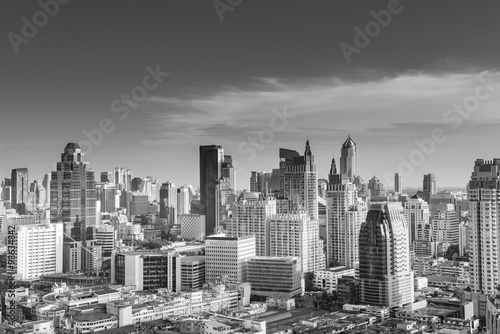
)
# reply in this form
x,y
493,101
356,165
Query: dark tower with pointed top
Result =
x,y
300,181
349,160
334,178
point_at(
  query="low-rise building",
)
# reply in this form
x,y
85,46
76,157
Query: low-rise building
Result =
x,y
327,279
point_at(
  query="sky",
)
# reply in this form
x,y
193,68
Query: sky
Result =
x,y
151,81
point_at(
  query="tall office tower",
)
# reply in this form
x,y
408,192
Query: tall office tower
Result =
x,y
128,180
120,178
398,185
20,189
287,158
345,214
168,202
301,184
211,158
227,257
228,172
39,250
445,225
296,234
260,182
417,216
149,270
137,184
255,185
106,194
430,184
375,187
7,192
183,201
484,218
154,195
42,196
73,196
251,216
225,198
46,184
349,160
384,261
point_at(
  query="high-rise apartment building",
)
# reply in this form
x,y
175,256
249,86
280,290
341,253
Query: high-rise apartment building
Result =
x,y
20,189
384,261
417,216
296,234
301,183
484,226
251,216
349,160
73,196
227,257
211,158
446,225
39,250
345,214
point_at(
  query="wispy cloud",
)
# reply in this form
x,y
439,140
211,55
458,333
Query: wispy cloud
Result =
x,y
370,106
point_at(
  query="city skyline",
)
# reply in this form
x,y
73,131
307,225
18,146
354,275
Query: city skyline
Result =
x,y
397,89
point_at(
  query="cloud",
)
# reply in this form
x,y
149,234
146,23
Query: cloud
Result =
x,y
373,107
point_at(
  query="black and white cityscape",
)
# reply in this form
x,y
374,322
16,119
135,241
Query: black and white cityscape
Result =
x,y
237,166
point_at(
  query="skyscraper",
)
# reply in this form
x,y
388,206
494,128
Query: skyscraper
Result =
x,y
301,183
211,158
484,220
296,234
73,196
251,216
446,225
183,201
384,261
345,214
168,202
20,189
349,160
375,187
398,186
417,216
429,187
